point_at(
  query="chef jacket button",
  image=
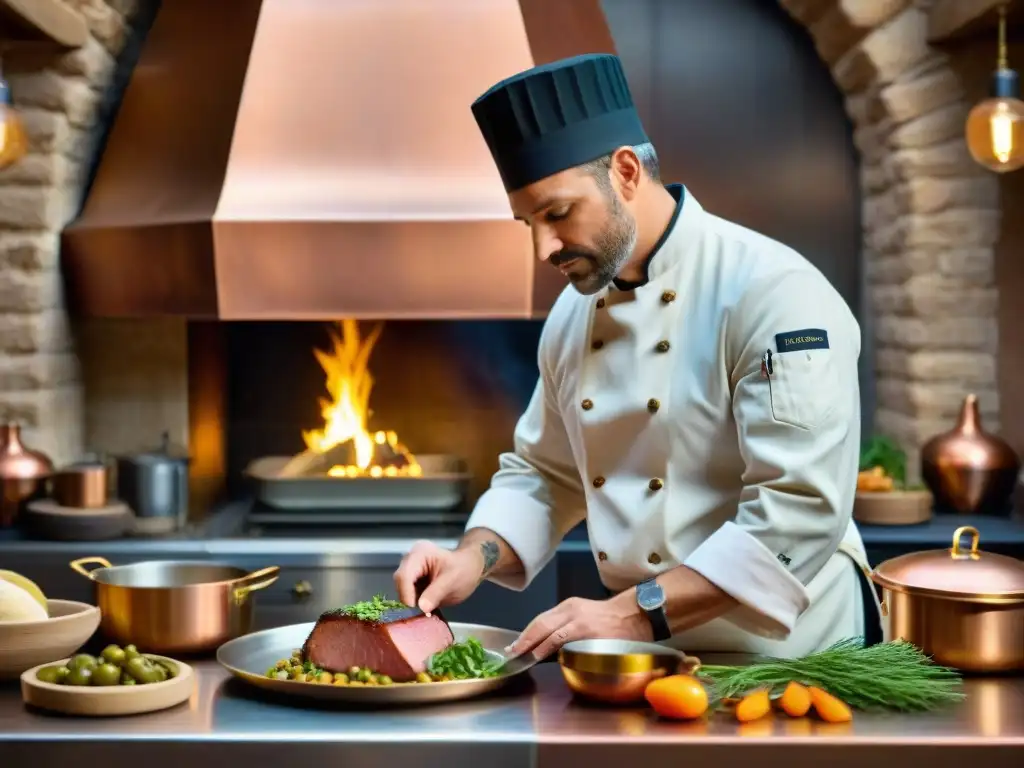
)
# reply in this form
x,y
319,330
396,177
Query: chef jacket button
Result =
x,y
602,556
653,405
596,344
662,346
587,404
668,297
600,303
654,558
597,482
656,484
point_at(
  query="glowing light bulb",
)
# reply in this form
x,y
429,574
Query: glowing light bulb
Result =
x,y
13,140
995,134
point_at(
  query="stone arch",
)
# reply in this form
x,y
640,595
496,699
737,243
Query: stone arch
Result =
x,y
930,215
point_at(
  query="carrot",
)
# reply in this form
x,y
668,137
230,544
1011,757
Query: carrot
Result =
x,y
829,708
753,706
677,697
795,700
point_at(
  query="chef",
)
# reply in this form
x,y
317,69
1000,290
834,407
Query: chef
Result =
x,y
697,403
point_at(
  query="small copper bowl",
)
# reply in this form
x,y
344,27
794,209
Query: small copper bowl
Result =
x,y
618,671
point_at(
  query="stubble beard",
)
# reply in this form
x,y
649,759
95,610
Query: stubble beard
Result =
x,y
614,248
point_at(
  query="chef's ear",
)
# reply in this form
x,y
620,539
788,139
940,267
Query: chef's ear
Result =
x,y
626,169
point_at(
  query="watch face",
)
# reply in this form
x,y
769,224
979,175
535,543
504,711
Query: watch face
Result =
x,y
650,596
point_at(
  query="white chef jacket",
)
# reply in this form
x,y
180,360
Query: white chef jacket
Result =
x,y
656,419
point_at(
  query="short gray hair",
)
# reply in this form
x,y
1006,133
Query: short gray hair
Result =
x,y
601,167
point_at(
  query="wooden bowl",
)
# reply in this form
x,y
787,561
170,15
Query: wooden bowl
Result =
x,y
892,507
109,701
25,644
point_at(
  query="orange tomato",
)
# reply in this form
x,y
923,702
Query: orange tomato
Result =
x,y
796,700
829,708
754,706
677,697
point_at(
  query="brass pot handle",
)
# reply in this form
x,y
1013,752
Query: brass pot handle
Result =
x,y
957,551
77,565
243,587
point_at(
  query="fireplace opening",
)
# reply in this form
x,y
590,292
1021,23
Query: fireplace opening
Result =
x,y
408,415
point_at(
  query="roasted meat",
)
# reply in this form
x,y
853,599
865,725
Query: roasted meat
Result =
x,y
397,643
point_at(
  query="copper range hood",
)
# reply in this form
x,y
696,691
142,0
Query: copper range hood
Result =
x,y
311,159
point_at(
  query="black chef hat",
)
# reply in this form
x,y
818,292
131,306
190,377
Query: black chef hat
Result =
x,y
557,116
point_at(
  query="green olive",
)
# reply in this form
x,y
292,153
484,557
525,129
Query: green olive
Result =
x,y
364,676
423,677
131,652
272,672
162,673
384,680
141,670
79,676
340,678
113,654
83,661
106,674
54,675
127,681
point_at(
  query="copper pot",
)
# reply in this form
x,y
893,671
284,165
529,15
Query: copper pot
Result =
x,y
969,470
22,471
81,486
174,606
963,607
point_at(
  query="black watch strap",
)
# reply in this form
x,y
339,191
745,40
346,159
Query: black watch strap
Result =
x,y
657,615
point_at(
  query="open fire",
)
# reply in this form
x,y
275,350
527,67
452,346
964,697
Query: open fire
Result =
x,y
345,435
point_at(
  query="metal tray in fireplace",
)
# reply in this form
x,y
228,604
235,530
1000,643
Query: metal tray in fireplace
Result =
x,y
442,485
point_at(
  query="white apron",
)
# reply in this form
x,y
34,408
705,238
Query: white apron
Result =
x,y
655,418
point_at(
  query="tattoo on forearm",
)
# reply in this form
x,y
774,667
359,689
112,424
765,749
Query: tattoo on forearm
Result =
x,y
490,551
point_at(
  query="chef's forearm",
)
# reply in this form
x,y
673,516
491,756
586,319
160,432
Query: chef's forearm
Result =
x,y
690,599
496,557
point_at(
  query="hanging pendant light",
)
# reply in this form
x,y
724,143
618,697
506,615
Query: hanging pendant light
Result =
x,y
13,140
995,127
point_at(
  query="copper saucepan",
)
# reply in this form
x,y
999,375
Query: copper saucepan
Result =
x,y
171,606
961,606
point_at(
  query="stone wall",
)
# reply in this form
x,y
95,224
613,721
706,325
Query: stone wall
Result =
x,y
64,99
931,216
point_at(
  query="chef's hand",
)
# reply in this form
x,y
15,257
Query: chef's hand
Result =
x,y
580,619
446,576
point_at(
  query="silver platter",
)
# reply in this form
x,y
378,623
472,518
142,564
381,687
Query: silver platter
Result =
x,y
250,656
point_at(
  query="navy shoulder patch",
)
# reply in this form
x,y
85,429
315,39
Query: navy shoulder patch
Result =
x,y
795,341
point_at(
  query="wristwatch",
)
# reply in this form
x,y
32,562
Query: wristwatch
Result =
x,y
651,599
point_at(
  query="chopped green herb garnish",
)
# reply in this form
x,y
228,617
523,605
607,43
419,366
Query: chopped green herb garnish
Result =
x,y
370,610
466,660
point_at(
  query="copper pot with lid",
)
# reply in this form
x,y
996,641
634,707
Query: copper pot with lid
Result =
x,y
962,606
22,471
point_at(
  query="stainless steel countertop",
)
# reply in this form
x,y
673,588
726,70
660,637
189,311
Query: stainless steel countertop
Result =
x,y
539,711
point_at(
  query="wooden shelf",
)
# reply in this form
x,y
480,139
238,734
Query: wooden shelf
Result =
x,y
33,20
951,20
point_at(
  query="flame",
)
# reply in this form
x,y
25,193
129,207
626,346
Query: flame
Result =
x,y
346,412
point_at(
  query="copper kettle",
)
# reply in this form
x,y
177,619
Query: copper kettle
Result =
x,y
22,472
969,470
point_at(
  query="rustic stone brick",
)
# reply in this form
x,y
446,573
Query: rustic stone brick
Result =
x,y
973,267
888,51
944,160
914,333
927,195
47,331
971,369
847,22
875,177
941,125
872,141
24,207
19,373
22,250
51,420
104,22
935,297
30,291
50,169
932,401
92,61
960,226
47,131
912,97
